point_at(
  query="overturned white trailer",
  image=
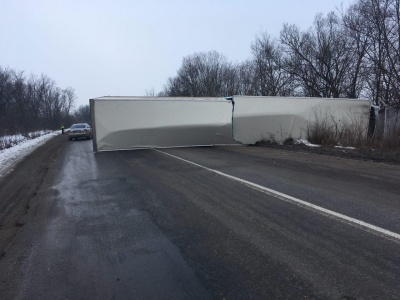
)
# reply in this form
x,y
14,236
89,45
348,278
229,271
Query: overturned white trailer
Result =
x,y
278,118
122,123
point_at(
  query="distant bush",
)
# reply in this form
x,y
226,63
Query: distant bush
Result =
x,y
289,141
10,141
267,141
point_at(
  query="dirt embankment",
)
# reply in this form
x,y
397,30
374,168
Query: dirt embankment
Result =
x,y
391,156
19,188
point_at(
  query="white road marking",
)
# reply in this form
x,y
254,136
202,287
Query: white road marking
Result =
x,y
327,212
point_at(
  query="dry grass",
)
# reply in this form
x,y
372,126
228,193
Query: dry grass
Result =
x,y
8,141
390,139
326,130
351,131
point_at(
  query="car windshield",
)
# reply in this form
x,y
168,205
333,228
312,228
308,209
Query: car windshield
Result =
x,y
78,126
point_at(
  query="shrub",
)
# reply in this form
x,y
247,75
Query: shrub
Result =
x,y
326,130
288,141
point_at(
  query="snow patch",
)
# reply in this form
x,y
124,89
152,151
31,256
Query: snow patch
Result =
x,y
305,142
341,147
20,148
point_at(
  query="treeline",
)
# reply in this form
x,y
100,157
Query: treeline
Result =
x,y
33,103
352,54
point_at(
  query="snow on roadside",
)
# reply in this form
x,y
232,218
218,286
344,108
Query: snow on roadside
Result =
x,y
305,142
11,156
347,148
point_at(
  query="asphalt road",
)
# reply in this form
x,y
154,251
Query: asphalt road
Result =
x,y
223,224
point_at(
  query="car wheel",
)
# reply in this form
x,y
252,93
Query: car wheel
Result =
x,y
70,139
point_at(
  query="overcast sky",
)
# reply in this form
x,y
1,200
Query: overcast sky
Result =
x,y
125,48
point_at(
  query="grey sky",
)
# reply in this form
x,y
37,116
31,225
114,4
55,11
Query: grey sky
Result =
x,y
126,47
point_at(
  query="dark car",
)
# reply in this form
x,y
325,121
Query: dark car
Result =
x,y
79,130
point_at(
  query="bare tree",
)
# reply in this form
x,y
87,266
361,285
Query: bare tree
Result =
x,y
69,99
246,79
205,74
5,97
20,102
82,114
355,55
270,77
33,103
151,92
377,22
320,58
358,48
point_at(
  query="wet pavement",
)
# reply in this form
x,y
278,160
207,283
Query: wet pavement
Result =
x,y
142,225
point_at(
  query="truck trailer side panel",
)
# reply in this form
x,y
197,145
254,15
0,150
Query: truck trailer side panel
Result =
x,y
279,118
122,123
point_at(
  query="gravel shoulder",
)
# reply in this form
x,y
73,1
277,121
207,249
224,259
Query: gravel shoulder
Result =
x,y
19,189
